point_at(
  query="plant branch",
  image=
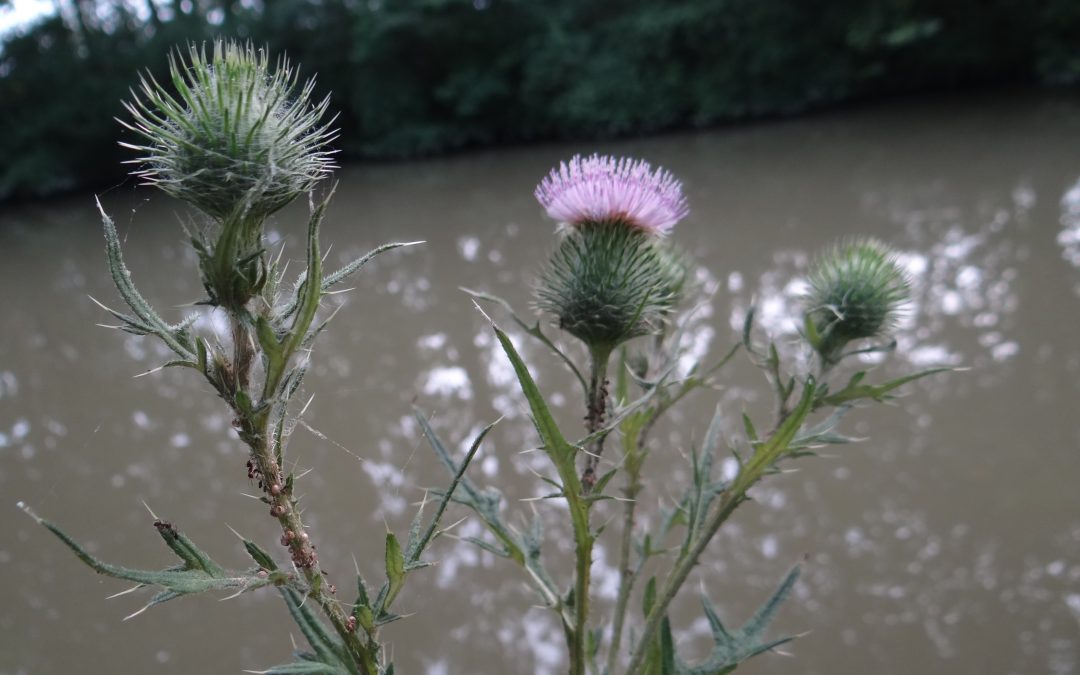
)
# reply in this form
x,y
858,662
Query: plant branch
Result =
x,y
766,453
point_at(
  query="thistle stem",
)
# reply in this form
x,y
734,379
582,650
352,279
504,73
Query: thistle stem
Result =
x,y
254,430
596,411
627,576
581,606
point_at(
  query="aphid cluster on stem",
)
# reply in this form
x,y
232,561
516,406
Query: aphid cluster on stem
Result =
x,y
303,556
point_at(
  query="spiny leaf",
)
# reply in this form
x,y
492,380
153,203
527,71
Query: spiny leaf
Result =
x,y
730,648
856,391
535,331
261,557
484,503
345,272
197,574
176,337
765,614
417,545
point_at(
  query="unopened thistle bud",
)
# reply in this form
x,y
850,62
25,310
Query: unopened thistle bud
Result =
x,y
237,139
857,290
611,277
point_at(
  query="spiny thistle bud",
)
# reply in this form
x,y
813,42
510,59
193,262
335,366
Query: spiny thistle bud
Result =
x,y
856,291
611,279
236,140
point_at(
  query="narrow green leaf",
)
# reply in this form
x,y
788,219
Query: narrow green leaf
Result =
x,y
765,614
649,598
748,327
395,567
667,648
601,483
751,432
261,557
554,442
720,633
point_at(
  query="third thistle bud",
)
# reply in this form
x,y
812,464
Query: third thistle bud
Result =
x,y
856,291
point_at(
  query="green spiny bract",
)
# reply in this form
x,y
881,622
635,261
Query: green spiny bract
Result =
x,y
236,140
856,292
607,283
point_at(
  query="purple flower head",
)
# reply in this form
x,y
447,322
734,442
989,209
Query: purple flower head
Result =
x,y
602,189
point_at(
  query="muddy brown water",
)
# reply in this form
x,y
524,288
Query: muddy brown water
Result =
x,y
948,542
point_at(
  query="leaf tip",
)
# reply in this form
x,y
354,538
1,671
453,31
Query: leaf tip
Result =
x,y
485,314
25,508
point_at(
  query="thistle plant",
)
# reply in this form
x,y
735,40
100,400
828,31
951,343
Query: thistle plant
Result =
x,y
238,139
615,283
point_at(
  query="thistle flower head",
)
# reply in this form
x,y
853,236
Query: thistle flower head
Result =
x,y
602,189
856,291
238,138
608,283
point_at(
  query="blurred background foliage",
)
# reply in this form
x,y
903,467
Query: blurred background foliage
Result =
x,y
415,77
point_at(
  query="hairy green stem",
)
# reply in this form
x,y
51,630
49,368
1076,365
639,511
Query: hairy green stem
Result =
x,y
596,409
583,552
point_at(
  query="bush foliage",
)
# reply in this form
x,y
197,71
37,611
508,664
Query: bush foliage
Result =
x,y
415,77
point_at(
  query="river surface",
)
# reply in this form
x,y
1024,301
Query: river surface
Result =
x,y
947,542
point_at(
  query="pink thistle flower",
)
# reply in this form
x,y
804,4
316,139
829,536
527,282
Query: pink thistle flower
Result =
x,y
602,189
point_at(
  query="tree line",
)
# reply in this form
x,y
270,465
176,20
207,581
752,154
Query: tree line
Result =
x,y
418,77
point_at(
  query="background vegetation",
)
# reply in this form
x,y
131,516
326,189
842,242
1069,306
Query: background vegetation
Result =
x,y
414,77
